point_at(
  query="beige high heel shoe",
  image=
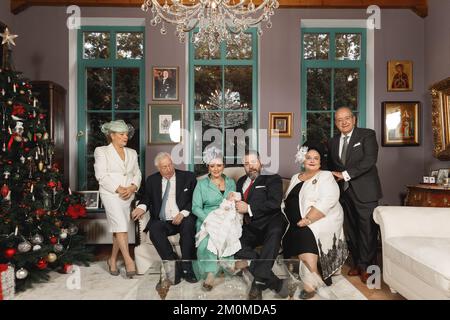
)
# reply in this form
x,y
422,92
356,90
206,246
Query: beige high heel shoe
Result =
x,y
113,273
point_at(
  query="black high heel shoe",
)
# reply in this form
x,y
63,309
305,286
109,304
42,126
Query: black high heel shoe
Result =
x,y
113,273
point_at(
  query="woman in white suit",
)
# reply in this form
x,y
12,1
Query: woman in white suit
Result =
x,y
315,234
117,172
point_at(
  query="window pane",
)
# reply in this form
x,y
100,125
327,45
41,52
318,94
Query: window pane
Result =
x,y
208,87
130,45
238,88
316,46
346,83
348,46
127,88
95,137
211,126
96,45
318,89
133,119
240,47
99,89
202,52
235,140
319,127
92,183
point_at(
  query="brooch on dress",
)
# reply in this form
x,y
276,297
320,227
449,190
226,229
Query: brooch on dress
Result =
x,y
314,181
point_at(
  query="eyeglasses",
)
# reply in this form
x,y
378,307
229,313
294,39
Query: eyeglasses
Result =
x,y
346,119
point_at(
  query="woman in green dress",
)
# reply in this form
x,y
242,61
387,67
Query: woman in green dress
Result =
x,y
208,195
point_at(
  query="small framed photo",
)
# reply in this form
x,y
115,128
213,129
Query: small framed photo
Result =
x,y
280,124
400,75
426,179
400,123
165,83
442,175
434,173
91,198
432,180
165,123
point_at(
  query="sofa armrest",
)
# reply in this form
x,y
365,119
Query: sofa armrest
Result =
x,y
140,234
412,221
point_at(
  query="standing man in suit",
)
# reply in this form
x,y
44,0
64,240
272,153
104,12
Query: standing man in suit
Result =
x,y
352,159
264,225
170,213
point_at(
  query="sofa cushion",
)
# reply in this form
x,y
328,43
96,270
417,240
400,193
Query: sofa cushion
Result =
x,y
425,257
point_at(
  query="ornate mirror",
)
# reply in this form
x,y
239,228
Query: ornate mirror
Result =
x,y
440,93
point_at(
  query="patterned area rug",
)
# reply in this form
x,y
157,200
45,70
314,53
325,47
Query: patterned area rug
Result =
x,y
95,283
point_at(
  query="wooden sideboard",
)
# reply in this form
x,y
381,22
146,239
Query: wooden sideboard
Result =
x,y
426,195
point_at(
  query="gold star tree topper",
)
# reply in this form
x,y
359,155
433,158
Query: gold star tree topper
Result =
x,y
8,37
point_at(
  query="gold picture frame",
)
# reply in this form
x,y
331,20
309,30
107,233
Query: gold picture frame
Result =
x,y
400,75
401,123
280,124
440,94
165,83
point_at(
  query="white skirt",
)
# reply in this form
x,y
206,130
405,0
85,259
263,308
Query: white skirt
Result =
x,y
118,213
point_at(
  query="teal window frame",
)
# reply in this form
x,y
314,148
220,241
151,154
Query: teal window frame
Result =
x,y
111,62
224,62
333,64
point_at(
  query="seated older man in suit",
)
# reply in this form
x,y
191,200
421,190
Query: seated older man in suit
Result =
x,y
170,213
264,225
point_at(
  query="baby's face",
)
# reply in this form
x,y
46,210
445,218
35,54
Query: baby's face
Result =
x,y
235,196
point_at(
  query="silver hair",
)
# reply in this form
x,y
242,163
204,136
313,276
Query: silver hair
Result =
x,y
160,156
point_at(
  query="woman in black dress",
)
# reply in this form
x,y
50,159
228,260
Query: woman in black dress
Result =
x,y
315,233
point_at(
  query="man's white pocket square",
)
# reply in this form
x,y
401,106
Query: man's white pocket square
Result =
x,y
186,189
357,144
257,187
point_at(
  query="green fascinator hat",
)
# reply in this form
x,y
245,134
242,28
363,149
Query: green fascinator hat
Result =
x,y
118,126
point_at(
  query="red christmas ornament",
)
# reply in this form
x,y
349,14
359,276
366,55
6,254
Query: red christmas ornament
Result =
x,y
41,116
10,162
67,268
4,191
51,184
27,150
40,212
10,252
53,240
42,264
18,110
76,211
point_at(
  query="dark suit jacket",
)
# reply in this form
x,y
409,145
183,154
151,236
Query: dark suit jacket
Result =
x,y
264,198
361,162
152,196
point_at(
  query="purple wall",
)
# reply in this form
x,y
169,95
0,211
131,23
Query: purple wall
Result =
x,y
437,61
42,53
5,13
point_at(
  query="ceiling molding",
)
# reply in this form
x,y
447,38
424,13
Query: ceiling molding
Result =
x,y
420,7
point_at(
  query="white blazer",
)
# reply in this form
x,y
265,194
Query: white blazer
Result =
x,y
322,192
111,171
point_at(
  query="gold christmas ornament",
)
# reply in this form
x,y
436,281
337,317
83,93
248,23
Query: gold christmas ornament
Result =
x,y
51,257
41,166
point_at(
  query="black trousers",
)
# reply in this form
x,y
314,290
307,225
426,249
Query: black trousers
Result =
x,y
360,229
160,230
270,240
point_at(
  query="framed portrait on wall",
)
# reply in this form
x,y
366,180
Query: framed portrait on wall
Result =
x,y
165,83
91,198
165,123
400,123
400,75
280,124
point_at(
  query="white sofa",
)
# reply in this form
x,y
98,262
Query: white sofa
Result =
x,y
146,256
416,250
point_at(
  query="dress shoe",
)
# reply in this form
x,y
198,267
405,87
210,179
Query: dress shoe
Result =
x,y
207,286
111,272
255,292
354,271
305,295
364,276
130,274
189,276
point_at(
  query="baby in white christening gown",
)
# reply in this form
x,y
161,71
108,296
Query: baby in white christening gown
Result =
x,y
224,227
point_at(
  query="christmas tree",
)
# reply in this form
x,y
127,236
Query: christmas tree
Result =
x,y
38,230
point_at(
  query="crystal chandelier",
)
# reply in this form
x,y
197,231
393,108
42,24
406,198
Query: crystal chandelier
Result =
x,y
216,20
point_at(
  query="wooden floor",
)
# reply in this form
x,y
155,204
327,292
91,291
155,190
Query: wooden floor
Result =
x,y
102,252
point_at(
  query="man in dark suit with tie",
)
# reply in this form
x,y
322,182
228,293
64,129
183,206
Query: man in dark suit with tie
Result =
x,y
352,159
170,213
264,225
